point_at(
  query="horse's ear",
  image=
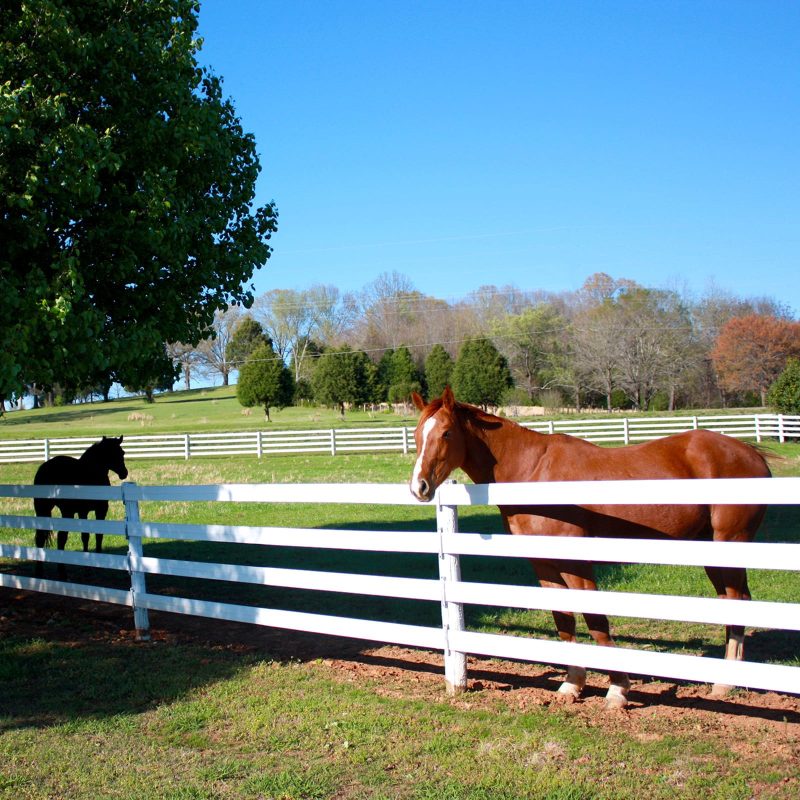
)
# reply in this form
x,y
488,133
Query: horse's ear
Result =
x,y
120,439
448,399
418,401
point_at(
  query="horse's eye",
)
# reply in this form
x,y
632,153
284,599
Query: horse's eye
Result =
x,y
446,435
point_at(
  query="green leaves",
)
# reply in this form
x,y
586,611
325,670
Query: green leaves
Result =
x,y
126,185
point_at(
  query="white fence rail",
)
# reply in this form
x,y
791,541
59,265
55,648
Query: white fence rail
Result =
x,y
626,430
447,544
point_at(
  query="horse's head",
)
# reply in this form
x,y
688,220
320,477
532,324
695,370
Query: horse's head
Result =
x,y
440,444
112,456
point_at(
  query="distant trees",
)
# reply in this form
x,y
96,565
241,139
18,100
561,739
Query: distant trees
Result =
x,y
531,341
752,351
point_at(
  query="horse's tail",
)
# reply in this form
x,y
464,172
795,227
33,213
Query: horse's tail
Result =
x,y
766,454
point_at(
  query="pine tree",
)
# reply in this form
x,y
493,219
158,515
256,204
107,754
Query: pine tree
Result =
x,y
481,375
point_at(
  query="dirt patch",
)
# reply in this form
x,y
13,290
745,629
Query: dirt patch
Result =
x,y
745,720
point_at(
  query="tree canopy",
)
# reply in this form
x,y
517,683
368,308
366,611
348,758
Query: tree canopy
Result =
x,y
127,186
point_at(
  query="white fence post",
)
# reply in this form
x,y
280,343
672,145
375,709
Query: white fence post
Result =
x,y
455,663
758,428
259,444
187,447
333,441
781,432
141,618
405,441
625,431
46,449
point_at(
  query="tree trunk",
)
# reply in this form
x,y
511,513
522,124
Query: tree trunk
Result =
x,y
266,413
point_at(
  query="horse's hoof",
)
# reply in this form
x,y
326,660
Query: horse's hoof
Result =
x,y
616,697
569,691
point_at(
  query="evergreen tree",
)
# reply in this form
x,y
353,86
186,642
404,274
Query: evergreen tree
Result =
x,y
481,375
265,381
438,371
247,336
404,376
344,376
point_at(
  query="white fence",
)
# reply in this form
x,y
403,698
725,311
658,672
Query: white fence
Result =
x,y
449,590
626,430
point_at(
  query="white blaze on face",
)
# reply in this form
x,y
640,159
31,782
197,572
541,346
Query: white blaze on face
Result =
x,y
429,425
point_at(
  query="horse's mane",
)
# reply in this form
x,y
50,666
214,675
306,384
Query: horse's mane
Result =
x,y
473,414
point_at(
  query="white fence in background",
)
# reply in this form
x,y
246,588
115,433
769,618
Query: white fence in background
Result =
x,y
447,544
626,430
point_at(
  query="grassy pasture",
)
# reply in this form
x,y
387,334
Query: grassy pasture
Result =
x,y
194,411
184,719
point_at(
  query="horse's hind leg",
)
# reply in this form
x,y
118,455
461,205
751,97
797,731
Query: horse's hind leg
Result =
x,y
40,541
730,582
41,508
62,543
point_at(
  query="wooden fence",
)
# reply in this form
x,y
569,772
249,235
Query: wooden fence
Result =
x,y
626,430
447,544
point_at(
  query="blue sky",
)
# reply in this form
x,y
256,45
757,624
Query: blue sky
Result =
x,y
526,143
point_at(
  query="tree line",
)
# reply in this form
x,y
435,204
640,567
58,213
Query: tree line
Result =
x,y
612,343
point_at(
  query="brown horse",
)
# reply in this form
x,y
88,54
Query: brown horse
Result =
x,y
491,449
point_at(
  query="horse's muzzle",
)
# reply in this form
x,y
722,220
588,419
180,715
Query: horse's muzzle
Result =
x,y
123,473
423,490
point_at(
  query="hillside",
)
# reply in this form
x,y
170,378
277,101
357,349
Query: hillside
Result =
x,y
191,411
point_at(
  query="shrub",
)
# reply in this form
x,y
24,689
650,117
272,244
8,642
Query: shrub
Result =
x,y
784,394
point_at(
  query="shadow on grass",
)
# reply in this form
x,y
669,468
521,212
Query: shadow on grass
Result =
x,y
64,671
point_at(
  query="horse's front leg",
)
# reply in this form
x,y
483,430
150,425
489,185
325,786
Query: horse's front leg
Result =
x,y
100,513
599,628
581,576
550,578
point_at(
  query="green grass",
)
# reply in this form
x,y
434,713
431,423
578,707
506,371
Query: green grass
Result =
x,y
111,719
137,722
195,411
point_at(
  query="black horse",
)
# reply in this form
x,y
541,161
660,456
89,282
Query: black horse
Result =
x,y
91,469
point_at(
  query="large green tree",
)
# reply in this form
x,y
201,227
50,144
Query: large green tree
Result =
x,y
126,190
481,374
